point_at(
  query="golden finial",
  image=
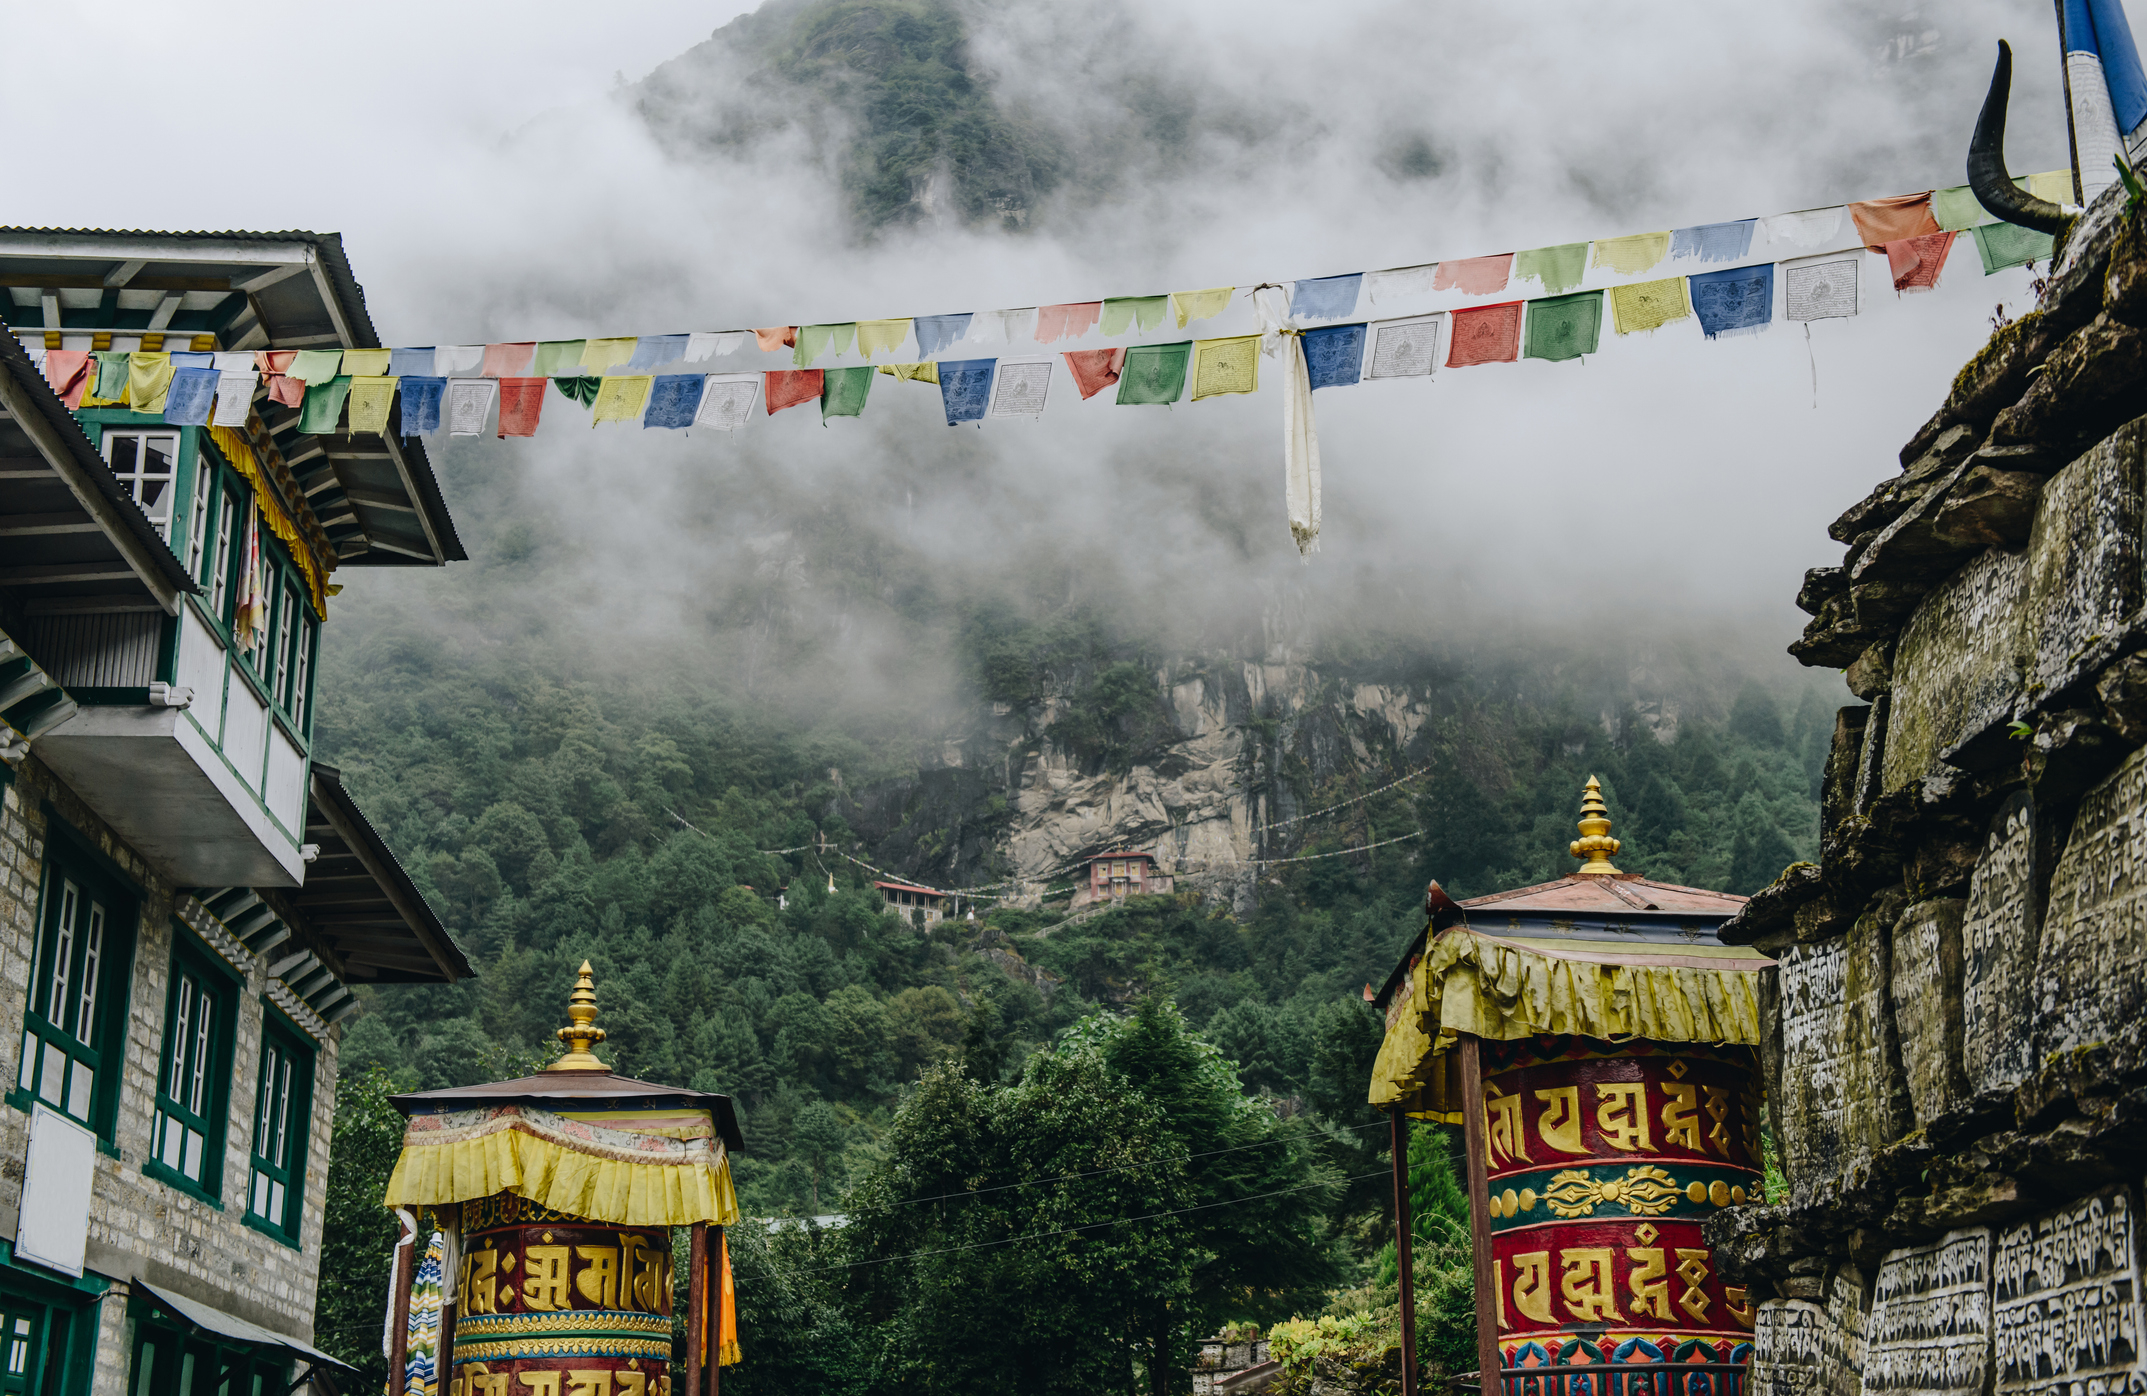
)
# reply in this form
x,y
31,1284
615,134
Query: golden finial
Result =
x,y
1595,843
581,1033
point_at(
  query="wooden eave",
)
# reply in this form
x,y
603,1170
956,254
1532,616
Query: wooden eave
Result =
x,y
358,906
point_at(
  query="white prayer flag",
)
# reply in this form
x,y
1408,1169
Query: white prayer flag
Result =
x,y
1822,287
1020,388
227,361
234,396
1399,282
457,360
1807,228
1003,326
469,404
727,400
1407,348
710,346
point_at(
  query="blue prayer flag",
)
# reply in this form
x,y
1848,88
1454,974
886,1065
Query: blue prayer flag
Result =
x,y
936,332
1335,356
186,360
654,350
410,363
674,398
421,403
1714,242
1741,298
192,396
965,389
1326,298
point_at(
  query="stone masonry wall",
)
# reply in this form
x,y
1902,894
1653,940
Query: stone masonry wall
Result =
x,y
1957,1039
138,1225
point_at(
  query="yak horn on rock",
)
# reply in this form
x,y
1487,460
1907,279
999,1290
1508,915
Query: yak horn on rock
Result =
x,y
1994,188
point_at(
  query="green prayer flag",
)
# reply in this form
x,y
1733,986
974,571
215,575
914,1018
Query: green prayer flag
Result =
x,y
558,358
310,366
815,340
111,374
579,387
1122,311
1154,373
324,406
843,391
1956,208
2003,245
1558,268
1564,327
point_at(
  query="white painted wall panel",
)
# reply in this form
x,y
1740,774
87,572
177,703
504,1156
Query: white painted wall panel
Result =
x,y
245,732
201,668
286,793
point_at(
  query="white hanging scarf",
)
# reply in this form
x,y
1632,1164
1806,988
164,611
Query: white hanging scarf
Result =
x,y
1300,437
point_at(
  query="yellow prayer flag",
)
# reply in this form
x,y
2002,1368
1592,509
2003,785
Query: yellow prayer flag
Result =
x,y
875,335
622,397
148,381
1226,366
913,373
366,363
1629,256
603,355
370,398
1649,305
1201,305
2053,185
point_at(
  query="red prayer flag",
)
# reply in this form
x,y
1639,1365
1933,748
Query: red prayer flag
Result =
x,y
1475,276
1056,322
787,387
273,363
1094,369
289,391
1485,334
777,337
521,402
1880,221
69,371
508,360
1916,262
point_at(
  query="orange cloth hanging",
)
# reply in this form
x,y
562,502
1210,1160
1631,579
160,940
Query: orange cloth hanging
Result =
x,y
1880,221
727,1325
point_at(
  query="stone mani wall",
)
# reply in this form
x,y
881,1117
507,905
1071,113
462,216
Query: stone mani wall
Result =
x,y
1956,1034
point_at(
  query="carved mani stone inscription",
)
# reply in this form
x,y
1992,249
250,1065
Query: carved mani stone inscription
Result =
x,y
1930,1318
2066,1300
1811,1072
1927,1004
1998,934
1788,1337
1870,1075
2083,558
1841,1350
2091,975
1957,665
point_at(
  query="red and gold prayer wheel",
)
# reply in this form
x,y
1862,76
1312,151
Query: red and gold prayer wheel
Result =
x,y
1604,1162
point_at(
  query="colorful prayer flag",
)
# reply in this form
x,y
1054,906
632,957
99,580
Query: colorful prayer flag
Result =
x,y
1122,312
148,380
1820,288
620,397
182,358
508,360
1189,306
815,340
1057,322
1917,261
1649,305
1489,334
371,395
936,332
1326,297
727,400
1715,242
558,358
457,360
1002,326
324,406
1630,255
965,388
1334,356
579,387
422,395
1405,348
2000,245
1399,283
926,372
776,337
69,371
234,397
366,363
1154,374
521,404
675,400
653,351
109,383
311,366
1564,327
787,387
1094,370
702,347
1230,365
1880,221
413,363
1806,228
1022,385
190,398
1475,276
469,403
1957,209
843,392
1559,268
601,356
876,336
1737,300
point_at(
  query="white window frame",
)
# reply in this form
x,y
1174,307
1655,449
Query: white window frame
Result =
x,y
133,480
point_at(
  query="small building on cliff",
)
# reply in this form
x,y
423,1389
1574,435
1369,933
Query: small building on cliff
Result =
x,y
924,905
1120,873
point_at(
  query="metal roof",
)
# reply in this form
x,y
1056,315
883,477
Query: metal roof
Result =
x,y
360,904
1618,895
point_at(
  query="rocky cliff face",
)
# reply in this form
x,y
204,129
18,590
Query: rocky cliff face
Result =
x,y
1957,1034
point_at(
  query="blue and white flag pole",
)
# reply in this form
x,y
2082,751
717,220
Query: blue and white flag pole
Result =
x,y
2107,90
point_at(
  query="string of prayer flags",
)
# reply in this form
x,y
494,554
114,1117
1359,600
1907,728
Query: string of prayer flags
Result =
x,y
1957,209
1003,326
366,363
1071,321
2003,245
148,380
727,400
1649,305
1806,228
1564,327
1820,288
1022,386
1400,283
1122,312
1334,355
702,347
1189,306
1229,365
234,396
323,406
926,372
787,387
1487,334
521,404
1404,348
776,337
457,360
843,391
652,351
1559,268
1326,297
874,336
815,340
601,356
69,372
965,389
1475,276
557,358
1880,221
422,394
1153,374
371,395
1094,370
1917,261
469,403
191,397
1631,255
508,360
936,332
674,401
1735,301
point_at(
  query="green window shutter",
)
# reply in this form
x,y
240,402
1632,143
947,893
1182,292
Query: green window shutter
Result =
x,y
282,1132
74,1024
186,1140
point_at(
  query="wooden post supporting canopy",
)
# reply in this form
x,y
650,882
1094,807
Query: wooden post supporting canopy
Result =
x,y
1491,1382
714,1285
1403,1238
698,1355
399,1308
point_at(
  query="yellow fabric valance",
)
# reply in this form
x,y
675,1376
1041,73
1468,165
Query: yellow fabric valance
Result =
x,y
580,1167
239,452
1507,987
